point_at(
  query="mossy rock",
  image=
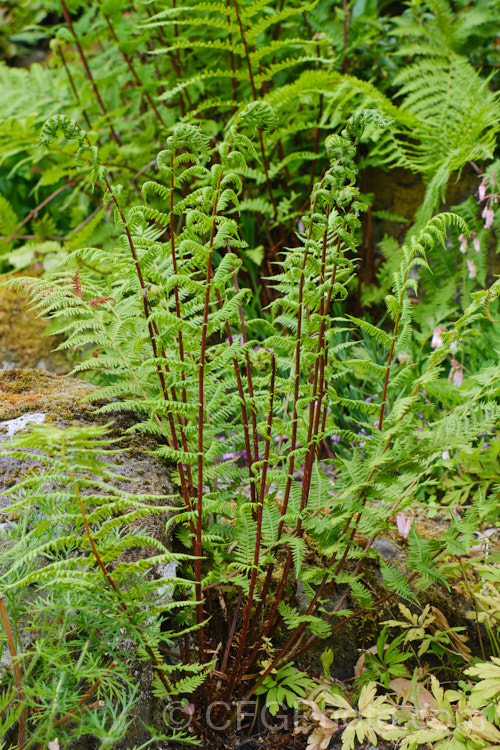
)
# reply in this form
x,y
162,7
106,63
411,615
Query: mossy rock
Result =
x,y
25,390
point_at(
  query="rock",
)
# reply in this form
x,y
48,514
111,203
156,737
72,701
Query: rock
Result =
x,y
24,391
386,549
13,426
40,397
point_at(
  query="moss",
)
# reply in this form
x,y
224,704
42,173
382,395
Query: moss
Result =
x,y
26,390
23,380
23,337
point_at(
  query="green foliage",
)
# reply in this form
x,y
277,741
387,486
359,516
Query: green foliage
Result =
x,y
132,72
387,663
284,686
182,147
169,339
75,607
458,115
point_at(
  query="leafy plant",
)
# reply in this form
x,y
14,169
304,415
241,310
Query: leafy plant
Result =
x,y
387,663
432,630
369,719
131,72
71,594
284,685
437,718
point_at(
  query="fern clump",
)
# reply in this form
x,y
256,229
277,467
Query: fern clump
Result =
x,y
239,404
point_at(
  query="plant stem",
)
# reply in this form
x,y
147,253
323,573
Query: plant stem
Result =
x,y
153,332
258,536
34,211
255,97
345,62
123,606
88,73
73,87
132,69
201,418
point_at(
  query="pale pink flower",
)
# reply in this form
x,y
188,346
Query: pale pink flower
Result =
x,y
472,268
458,377
445,455
477,245
437,341
403,525
456,373
482,191
488,216
463,243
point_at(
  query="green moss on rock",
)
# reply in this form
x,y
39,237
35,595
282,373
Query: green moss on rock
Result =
x,y
23,336
25,390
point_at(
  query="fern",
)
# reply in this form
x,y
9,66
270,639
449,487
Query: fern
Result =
x,y
60,571
457,114
240,402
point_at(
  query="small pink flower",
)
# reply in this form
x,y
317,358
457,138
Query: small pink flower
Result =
x,y
488,216
445,455
482,191
456,373
463,243
477,245
189,709
437,341
472,268
403,525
